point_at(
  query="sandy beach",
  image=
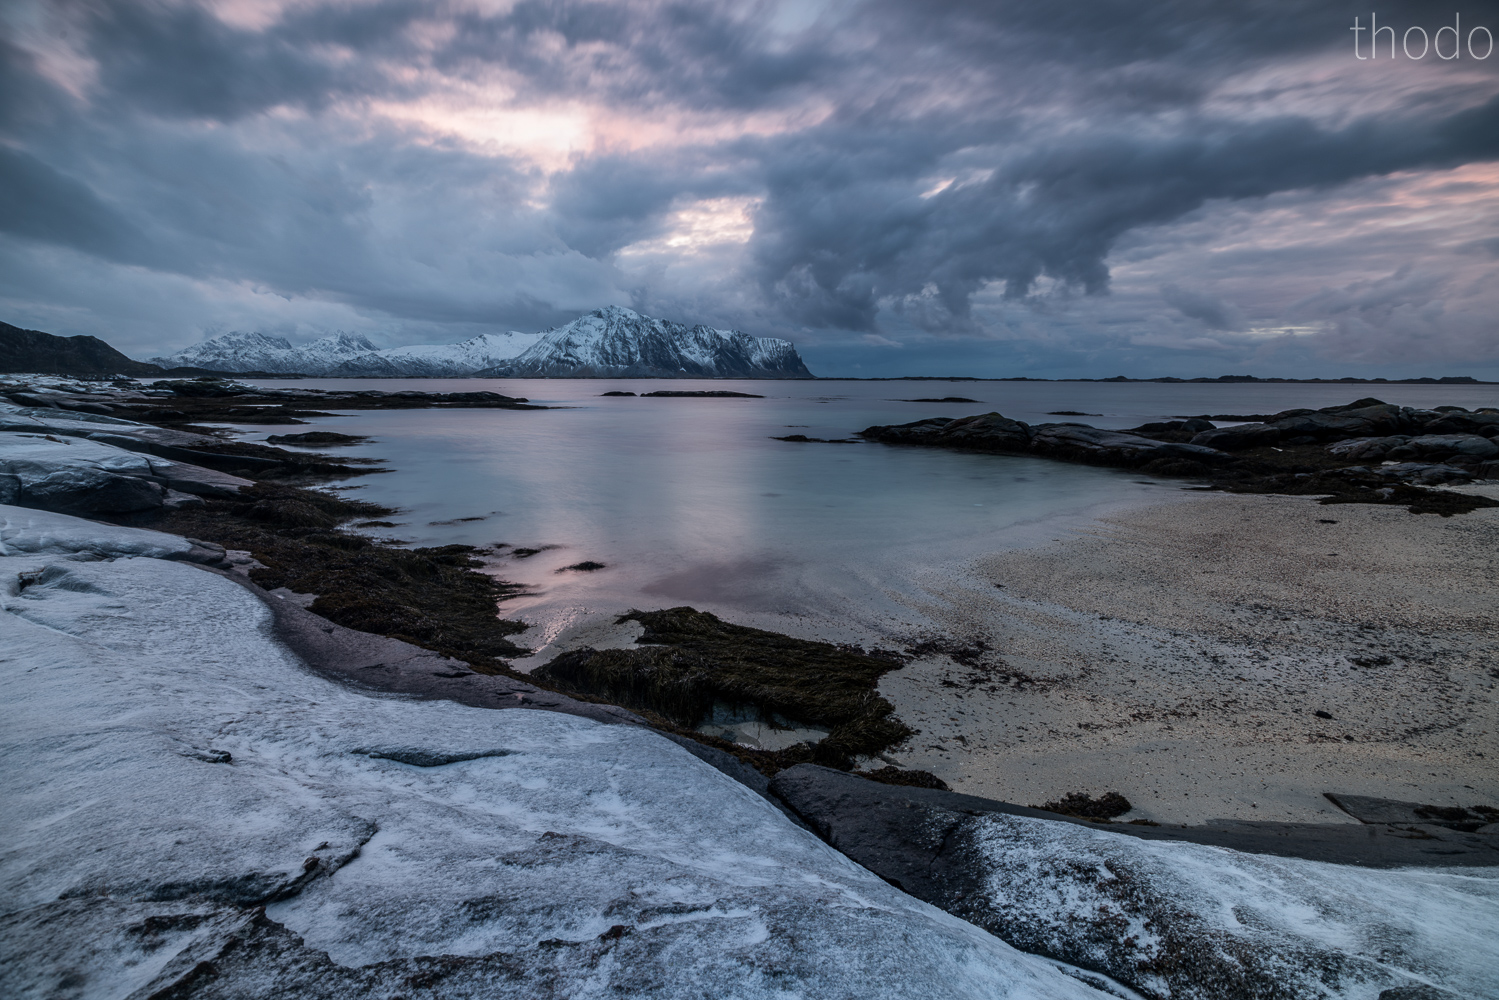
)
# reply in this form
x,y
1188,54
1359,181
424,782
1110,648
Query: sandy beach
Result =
x,y
1181,654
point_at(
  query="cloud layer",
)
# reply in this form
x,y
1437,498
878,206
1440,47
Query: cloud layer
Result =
x,y
968,188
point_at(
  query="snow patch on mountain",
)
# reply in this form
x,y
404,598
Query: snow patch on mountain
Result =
x,y
349,355
607,343
484,351
620,343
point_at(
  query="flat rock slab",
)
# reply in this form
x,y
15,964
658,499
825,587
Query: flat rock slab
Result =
x,y
1183,912
836,799
1367,809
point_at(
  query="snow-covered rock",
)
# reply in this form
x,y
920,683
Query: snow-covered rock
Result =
x,y
171,769
75,475
82,475
348,355
26,532
1176,919
620,343
50,419
1193,922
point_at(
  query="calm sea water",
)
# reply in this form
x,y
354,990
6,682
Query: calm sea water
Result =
x,y
690,501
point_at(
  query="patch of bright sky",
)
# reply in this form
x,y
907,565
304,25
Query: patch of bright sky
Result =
x,y
710,222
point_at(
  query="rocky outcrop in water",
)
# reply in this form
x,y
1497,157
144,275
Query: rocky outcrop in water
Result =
x,y
994,432
1325,451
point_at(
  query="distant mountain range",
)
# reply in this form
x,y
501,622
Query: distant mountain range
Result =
x,y
606,343
348,355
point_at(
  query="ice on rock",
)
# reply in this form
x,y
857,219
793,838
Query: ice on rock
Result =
x,y
170,767
31,418
47,453
1196,922
40,532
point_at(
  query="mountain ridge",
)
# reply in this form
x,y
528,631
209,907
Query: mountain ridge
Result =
x,y
611,342
614,342
24,350
347,355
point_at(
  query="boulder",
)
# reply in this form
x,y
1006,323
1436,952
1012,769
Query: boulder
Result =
x,y
1445,446
987,432
1239,438
1366,448
84,491
916,432
1426,473
197,480
1080,441
1354,420
1192,425
1481,422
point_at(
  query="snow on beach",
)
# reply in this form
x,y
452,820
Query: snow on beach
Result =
x,y
170,767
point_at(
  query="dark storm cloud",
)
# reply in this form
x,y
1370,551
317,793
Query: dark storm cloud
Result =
x,y
180,59
845,228
917,156
37,202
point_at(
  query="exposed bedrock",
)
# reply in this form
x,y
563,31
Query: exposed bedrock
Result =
x,y
190,813
1279,454
81,476
994,432
1360,419
1227,911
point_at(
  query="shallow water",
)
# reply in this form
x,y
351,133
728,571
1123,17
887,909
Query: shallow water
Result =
x,y
691,501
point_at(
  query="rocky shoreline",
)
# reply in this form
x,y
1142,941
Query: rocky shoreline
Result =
x,y
422,624
1367,451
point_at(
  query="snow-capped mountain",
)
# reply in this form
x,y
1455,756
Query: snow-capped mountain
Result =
x,y
619,343
484,351
349,355
234,352
607,343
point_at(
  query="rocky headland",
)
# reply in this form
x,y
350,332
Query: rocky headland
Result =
x,y
1367,451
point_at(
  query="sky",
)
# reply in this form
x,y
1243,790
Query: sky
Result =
x,y
1046,189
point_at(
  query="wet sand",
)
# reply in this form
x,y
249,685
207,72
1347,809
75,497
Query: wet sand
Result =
x,y
1179,653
